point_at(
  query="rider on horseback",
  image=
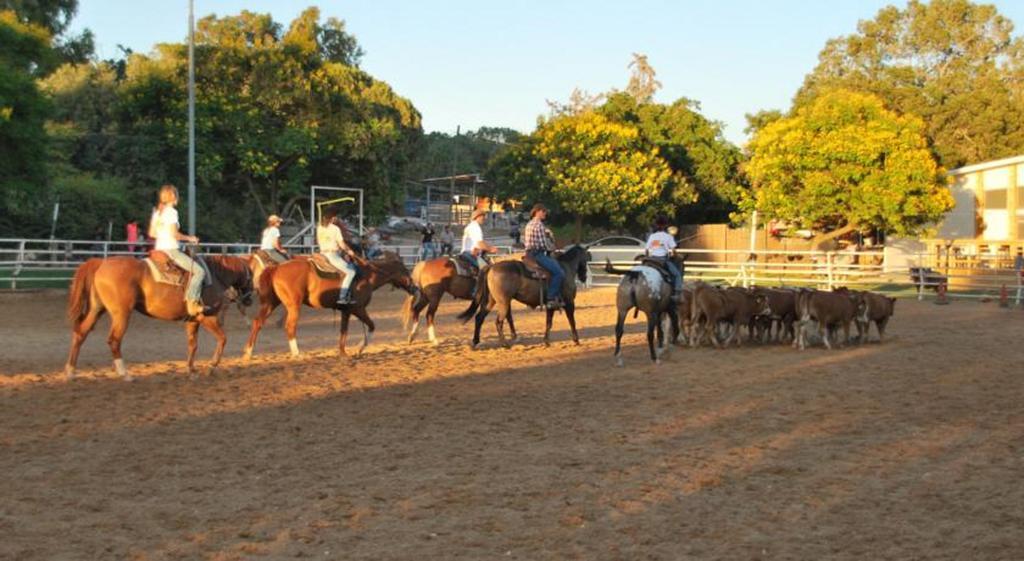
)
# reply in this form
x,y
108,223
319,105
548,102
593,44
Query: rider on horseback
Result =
x,y
539,246
271,242
661,246
473,244
163,227
338,253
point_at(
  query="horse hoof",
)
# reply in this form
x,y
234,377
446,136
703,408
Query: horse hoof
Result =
x,y
619,362
69,372
657,361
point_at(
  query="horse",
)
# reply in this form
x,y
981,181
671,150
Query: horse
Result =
x,y
119,285
643,289
500,283
297,282
434,278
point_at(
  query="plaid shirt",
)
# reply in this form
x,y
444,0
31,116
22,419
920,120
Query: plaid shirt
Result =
x,y
535,238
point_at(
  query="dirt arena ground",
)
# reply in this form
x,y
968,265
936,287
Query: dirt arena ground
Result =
x,y
913,449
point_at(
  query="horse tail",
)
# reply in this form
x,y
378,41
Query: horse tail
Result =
x,y
482,295
81,286
266,288
410,302
611,270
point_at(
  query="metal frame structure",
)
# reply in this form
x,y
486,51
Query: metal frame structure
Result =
x,y
314,208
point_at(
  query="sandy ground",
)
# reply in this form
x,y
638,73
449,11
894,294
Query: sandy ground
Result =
x,y
907,450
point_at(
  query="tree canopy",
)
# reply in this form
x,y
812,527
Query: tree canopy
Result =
x,y
844,162
951,62
276,110
24,47
651,158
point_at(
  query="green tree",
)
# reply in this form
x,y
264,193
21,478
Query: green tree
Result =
x,y
277,109
54,16
24,47
844,162
705,179
954,63
594,166
437,152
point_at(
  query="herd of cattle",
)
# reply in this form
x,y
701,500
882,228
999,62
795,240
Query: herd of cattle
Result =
x,y
711,313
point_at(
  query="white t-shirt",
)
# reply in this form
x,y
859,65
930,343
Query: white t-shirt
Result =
x,y
165,224
659,244
471,236
270,236
329,238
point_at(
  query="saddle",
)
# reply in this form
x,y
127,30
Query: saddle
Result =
x,y
658,265
464,266
323,267
534,270
166,271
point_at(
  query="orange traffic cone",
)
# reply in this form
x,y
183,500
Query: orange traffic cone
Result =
x,y
940,294
1004,297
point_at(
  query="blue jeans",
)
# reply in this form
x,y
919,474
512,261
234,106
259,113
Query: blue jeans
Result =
x,y
344,266
552,266
677,275
480,263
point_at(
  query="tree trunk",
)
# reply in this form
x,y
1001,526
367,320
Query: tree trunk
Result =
x,y
255,197
816,241
579,229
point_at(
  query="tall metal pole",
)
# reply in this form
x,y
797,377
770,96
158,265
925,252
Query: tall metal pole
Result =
x,y
451,186
191,123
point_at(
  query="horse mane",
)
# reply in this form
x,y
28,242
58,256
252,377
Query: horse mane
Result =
x,y
571,253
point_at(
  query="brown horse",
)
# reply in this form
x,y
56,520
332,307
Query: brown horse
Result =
x,y
119,285
505,281
296,283
433,278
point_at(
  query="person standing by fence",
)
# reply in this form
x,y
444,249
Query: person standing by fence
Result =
x,y
427,242
131,231
447,240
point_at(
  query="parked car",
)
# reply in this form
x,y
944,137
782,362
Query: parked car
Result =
x,y
616,248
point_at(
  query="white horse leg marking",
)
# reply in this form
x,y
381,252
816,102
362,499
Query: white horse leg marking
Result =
x,y
433,335
366,340
69,371
121,370
294,346
415,328
247,353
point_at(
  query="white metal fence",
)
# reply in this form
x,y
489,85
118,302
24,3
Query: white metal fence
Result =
x,y
920,274
35,263
28,263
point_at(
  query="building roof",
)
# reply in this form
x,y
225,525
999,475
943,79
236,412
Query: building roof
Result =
x,y
987,165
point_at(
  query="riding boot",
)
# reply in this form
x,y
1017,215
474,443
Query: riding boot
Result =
x,y
345,297
555,303
195,308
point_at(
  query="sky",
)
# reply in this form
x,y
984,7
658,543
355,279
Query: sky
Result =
x,y
495,63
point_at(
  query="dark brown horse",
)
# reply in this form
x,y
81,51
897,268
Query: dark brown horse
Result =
x,y
118,285
505,281
296,283
434,278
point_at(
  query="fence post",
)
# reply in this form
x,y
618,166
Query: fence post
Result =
x,y
828,268
920,278
106,249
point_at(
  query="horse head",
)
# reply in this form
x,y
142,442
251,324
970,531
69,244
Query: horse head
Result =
x,y
577,257
234,273
394,271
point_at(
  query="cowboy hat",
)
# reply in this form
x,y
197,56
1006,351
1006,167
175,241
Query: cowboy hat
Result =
x,y
273,219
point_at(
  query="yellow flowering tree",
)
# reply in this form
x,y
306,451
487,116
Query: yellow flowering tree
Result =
x,y
843,162
594,166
